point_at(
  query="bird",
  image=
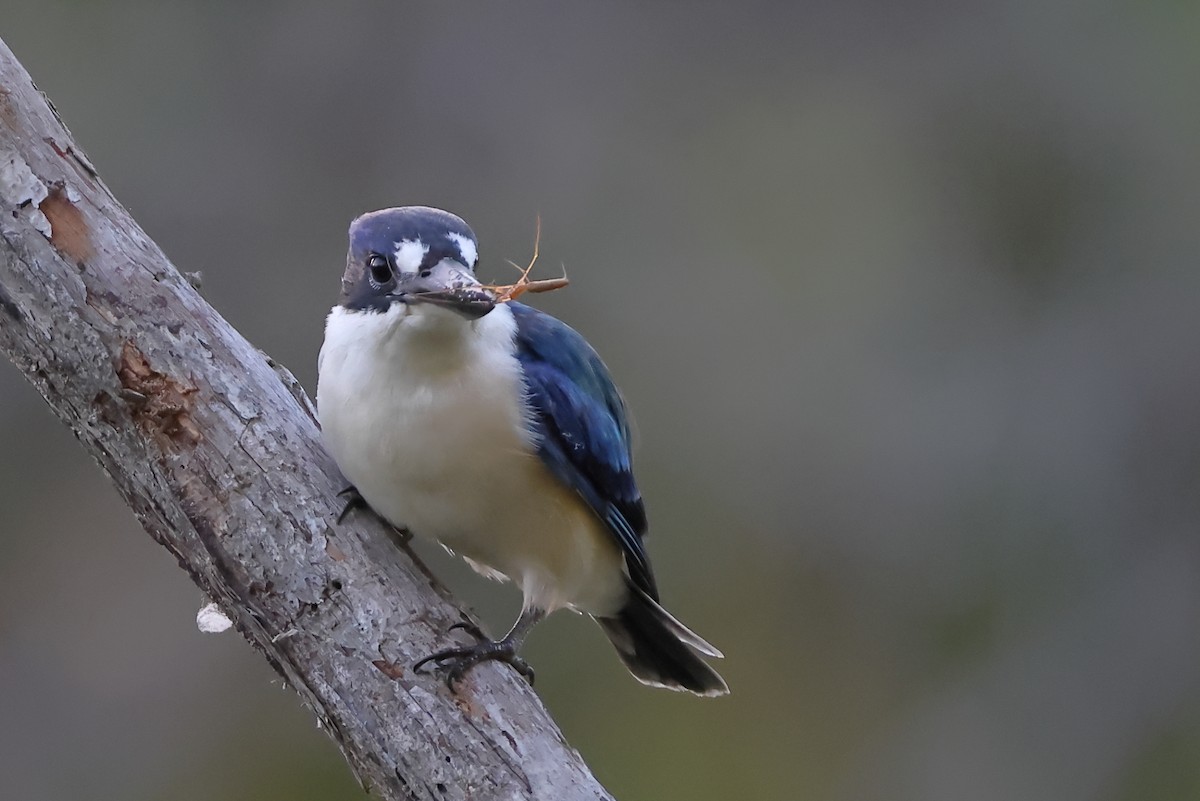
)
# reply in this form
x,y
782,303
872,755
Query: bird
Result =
x,y
496,430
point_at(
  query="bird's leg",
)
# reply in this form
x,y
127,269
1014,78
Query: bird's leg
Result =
x,y
459,660
355,500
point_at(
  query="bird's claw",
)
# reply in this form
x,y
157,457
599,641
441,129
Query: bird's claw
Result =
x,y
354,500
459,660
470,628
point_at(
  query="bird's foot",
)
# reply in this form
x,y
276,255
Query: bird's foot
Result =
x,y
354,500
457,661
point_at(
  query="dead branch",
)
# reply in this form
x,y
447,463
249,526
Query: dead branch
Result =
x,y
215,449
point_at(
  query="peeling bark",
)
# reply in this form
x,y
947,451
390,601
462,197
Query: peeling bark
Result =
x,y
215,448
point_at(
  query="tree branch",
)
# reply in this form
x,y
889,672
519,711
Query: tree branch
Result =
x,y
215,448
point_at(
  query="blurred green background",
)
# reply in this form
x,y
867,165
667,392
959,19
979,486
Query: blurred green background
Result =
x,y
905,298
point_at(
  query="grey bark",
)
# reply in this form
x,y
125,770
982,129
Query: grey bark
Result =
x,y
216,450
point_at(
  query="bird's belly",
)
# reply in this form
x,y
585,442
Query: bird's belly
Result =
x,y
452,462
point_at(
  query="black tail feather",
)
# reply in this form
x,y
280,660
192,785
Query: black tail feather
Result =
x,y
659,650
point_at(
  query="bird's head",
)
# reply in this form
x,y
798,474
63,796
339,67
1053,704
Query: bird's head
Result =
x,y
413,255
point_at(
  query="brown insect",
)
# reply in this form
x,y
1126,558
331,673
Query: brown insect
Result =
x,y
507,292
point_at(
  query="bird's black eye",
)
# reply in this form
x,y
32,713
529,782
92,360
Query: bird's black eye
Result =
x,y
381,272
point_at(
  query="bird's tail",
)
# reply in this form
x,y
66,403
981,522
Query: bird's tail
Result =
x,y
659,650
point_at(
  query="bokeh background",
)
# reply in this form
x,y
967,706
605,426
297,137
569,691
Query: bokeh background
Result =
x,y
905,298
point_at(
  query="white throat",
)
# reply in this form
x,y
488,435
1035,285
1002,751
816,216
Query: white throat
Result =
x,y
426,414
417,396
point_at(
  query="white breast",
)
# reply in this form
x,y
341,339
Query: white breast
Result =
x,y
424,413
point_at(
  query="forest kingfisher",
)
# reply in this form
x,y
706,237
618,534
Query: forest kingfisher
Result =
x,y
496,430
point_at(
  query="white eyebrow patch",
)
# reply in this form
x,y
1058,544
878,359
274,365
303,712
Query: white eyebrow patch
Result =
x,y
465,246
409,255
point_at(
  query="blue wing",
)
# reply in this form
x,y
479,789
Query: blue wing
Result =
x,y
582,429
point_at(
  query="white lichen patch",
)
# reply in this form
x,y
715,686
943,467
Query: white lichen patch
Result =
x,y
22,191
211,620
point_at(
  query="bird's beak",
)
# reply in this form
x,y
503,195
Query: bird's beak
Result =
x,y
450,286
